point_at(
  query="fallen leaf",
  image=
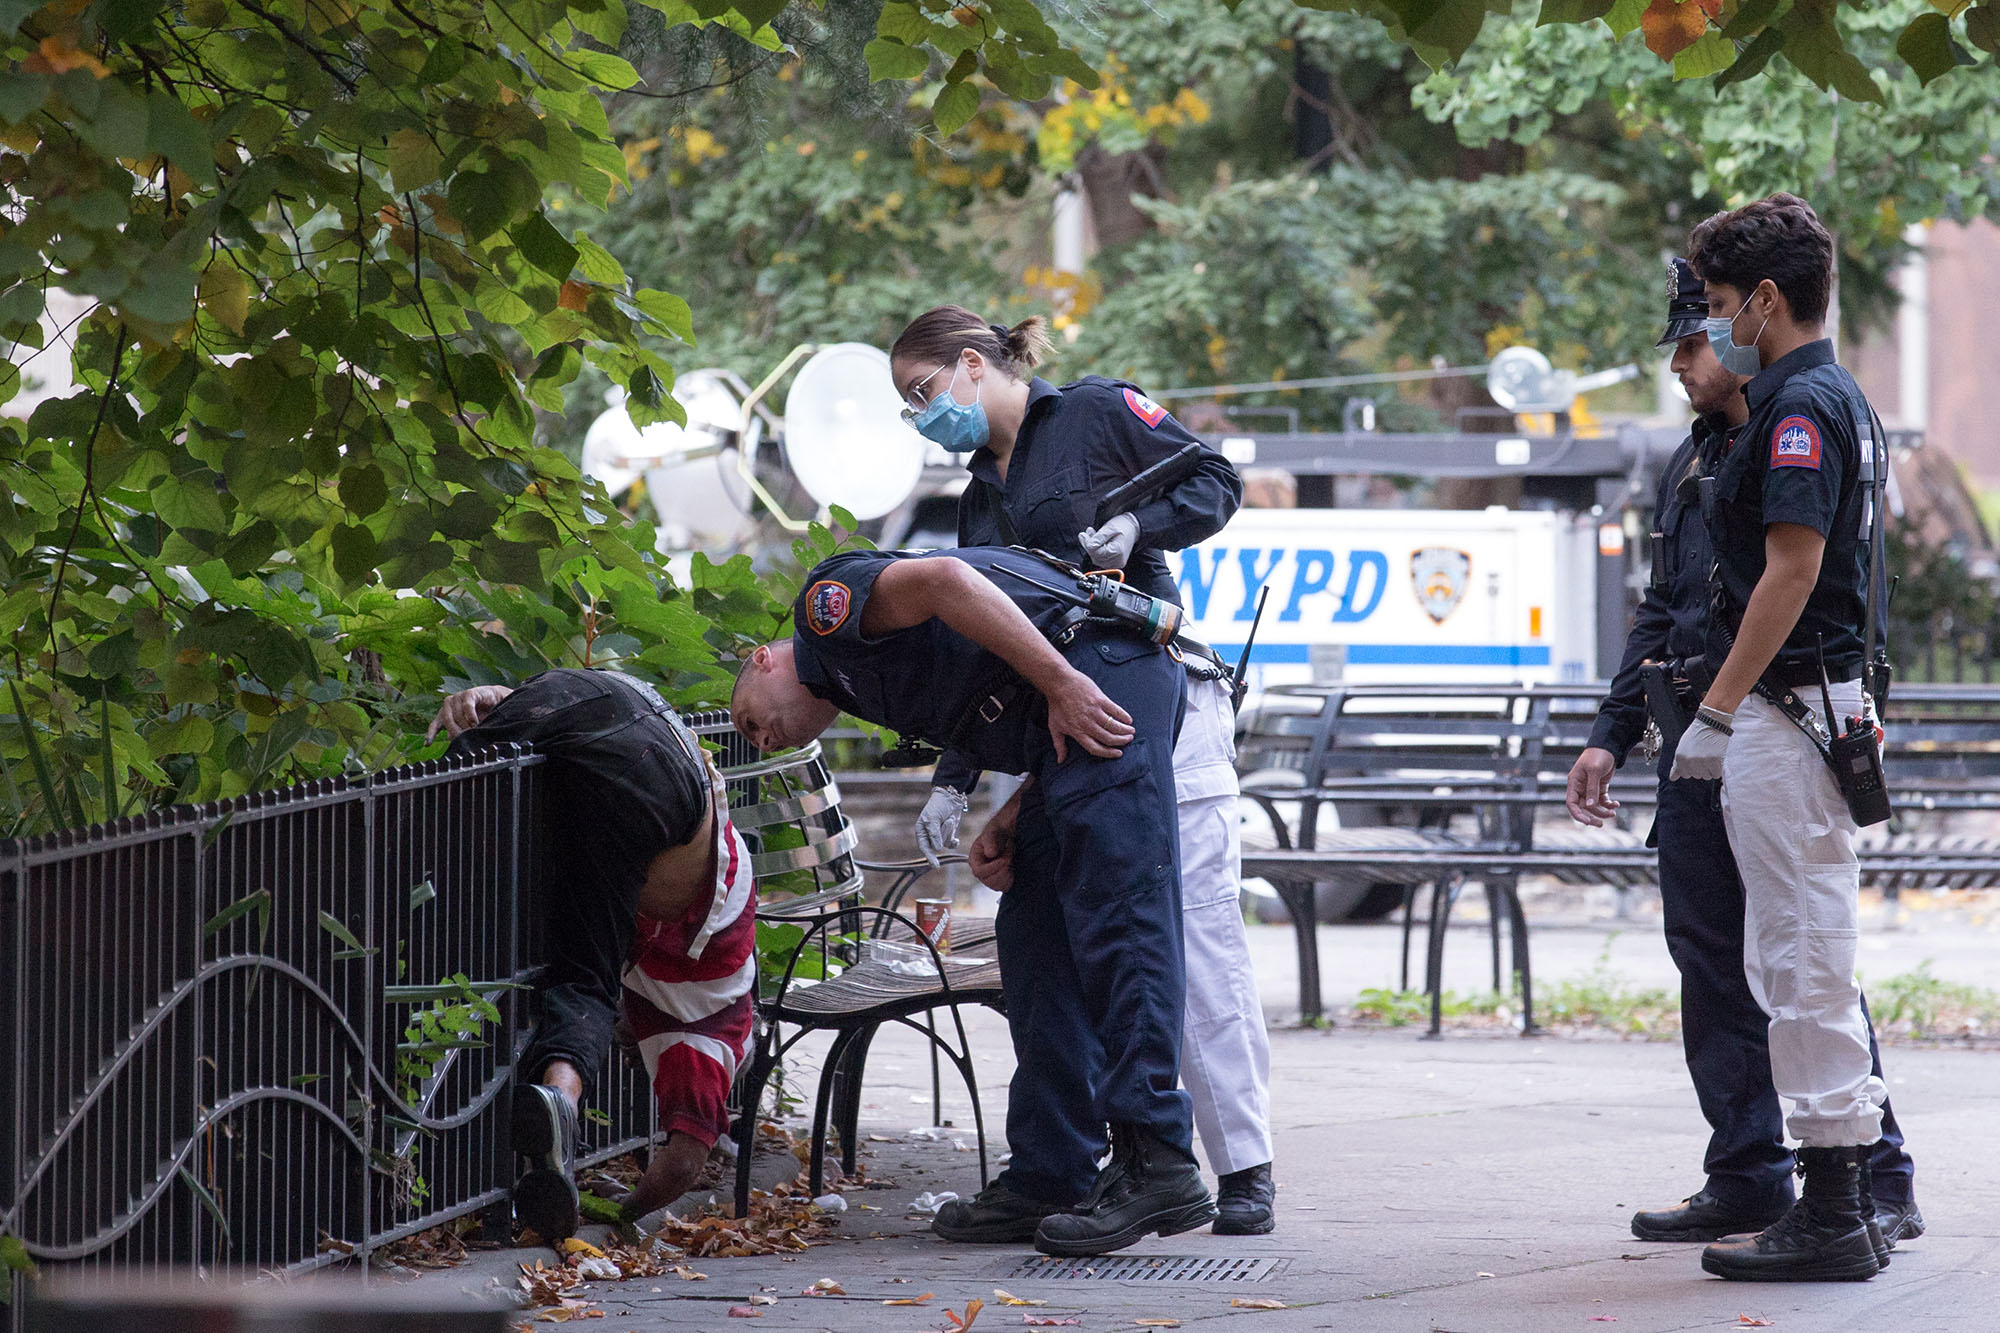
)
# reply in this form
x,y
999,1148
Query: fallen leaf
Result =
x,y
1048,1321
1745,1321
1009,1298
1482,1275
1604,1318
826,1286
575,1246
1157,1323
745,1312
1259,1303
959,1323
761,1299
686,1274
909,1300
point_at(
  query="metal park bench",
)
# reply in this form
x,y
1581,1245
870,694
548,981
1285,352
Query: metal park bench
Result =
x,y
1342,774
850,968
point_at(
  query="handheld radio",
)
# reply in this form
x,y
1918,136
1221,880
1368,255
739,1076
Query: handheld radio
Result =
x,y
1855,755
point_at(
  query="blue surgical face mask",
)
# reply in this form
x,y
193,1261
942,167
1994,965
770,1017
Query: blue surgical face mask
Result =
x,y
1736,358
950,424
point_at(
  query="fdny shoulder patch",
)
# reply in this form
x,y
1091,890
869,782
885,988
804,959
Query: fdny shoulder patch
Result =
x,y
1795,443
827,604
1145,409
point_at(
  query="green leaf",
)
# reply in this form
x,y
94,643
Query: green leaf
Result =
x,y
543,246
757,13
363,489
44,776
258,902
208,1203
1751,18
446,58
1982,27
906,23
333,926
422,892
1711,54
1623,17
892,60
354,551
669,310
13,1254
956,104
605,69
179,137
414,160
1572,11
1926,46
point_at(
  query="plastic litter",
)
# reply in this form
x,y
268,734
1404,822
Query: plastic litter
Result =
x,y
928,1202
830,1203
598,1268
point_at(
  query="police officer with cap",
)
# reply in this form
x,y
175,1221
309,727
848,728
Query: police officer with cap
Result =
x,y
1043,459
1788,510
974,649
1724,1032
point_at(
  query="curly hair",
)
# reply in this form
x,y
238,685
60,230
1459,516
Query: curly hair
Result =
x,y
941,334
1779,238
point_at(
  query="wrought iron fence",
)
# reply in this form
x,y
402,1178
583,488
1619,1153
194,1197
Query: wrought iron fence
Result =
x,y
255,1034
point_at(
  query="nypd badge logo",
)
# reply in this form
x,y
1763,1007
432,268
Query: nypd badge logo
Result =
x,y
827,604
1795,443
1145,409
1441,574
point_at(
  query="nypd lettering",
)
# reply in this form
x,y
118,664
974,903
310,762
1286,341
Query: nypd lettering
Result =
x,y
1795,442
827,605
1145,409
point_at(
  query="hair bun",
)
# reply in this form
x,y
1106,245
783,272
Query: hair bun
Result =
x,y
1002,332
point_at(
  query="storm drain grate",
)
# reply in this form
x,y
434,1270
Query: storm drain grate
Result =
x,y
1146,1268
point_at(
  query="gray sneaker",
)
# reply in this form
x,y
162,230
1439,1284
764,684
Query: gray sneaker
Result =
x,y
544,1127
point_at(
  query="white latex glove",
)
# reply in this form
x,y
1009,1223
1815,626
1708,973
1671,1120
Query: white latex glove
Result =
x,y
1699,755
937,826
1110,546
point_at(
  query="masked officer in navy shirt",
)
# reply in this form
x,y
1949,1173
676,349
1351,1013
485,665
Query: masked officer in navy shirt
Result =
x,y
954,648
1724,1033
1042,460
1787,512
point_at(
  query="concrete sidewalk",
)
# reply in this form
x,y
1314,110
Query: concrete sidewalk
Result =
x,y
1482,1182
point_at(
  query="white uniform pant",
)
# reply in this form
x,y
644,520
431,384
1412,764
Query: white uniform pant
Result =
x,y
1794,843
1225,1052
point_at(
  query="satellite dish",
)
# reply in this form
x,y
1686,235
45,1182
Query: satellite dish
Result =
x,y
698,492
845,438
1522,380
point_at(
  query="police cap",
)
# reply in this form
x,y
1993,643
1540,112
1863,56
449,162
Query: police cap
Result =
x,y
1687,302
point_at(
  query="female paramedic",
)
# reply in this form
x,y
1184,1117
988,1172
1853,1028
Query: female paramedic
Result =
x,y
1041,459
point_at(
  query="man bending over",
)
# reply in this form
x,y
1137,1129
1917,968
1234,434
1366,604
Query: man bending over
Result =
x,y
649,885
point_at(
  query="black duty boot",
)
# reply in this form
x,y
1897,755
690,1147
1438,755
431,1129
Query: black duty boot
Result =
x,y
1702,1216
1899,1220
1149,1186
544,1129
997,1215
1826,1237
1876,1236
1243,1202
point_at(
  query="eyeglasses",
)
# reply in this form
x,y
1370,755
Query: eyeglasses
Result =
x,y
915,400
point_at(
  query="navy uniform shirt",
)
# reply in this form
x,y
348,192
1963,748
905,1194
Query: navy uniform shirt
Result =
x,y
1797,460
1076,445
926,680
1672,620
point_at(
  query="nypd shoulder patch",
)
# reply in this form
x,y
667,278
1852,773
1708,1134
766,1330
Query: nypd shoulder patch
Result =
x,y
1795,443
1145,409
827,605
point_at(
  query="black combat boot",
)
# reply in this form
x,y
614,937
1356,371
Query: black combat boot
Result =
x,y
544,1130
1826,1237
1900,1220
1703,1216
1149,1186
1876,1236
996,1215
1243,1202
